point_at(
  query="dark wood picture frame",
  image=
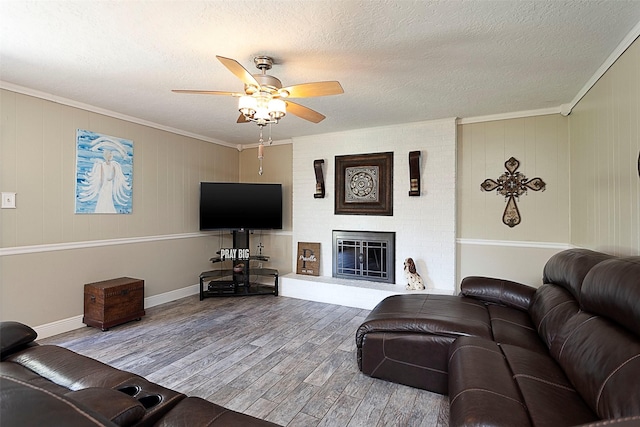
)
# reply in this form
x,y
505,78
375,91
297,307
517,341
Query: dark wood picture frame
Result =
x,y
371,175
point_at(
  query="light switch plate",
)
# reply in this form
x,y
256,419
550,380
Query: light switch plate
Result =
x,y
8,200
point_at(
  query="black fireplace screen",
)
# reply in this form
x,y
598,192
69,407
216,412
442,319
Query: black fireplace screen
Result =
x,y
364,255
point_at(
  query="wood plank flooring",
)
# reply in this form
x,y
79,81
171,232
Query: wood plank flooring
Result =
x,y
289,361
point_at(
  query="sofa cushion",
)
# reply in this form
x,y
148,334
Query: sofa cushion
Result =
x,y
24,404
511,326
550,398
481,388
569,268
19,372
67,368
427,314
612,289
14,335
550,309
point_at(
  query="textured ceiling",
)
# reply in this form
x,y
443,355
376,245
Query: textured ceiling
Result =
x,y
398,61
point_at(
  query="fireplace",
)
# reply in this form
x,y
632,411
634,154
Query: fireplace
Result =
x,y
364,255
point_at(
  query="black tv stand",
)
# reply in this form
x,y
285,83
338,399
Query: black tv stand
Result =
x,y
237,281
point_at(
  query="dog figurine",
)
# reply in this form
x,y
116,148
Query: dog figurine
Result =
x,y
414,281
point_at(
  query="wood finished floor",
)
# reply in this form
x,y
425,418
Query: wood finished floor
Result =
x,y
289,361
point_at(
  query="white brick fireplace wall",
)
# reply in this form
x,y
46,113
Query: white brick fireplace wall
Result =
x,y
424,225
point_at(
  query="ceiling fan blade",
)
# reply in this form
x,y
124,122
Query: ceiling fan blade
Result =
x,y
239,71
207,92
242,119
304,112
308,90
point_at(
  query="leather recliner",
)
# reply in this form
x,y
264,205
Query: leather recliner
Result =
x,y
53,386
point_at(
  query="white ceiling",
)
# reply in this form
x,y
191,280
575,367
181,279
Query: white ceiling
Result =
x,y
398,61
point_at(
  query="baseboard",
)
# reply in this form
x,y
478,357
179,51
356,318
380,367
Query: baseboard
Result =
x,y
171,296
59,327
75,322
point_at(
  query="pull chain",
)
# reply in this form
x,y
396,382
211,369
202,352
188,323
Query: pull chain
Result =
x,y
260,151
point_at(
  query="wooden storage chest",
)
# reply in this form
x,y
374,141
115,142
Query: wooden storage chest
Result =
x,y
113,302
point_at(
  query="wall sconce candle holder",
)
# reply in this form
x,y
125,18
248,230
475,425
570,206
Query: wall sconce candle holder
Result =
x,y
317,167
414,173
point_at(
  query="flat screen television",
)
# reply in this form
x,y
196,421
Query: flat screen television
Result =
x,y
235,206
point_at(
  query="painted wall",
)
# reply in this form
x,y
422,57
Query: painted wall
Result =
x,y
605,142
277,168
486,246
49,253
424,225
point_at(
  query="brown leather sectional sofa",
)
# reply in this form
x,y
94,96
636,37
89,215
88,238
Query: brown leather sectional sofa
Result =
x,y
567,353
44,385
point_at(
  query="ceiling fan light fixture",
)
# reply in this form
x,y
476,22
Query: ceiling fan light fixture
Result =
x,y
247,105
277,109
262,114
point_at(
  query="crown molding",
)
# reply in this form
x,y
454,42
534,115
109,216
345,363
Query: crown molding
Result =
x,y
565,109
617,53
512,115
92,108
279,142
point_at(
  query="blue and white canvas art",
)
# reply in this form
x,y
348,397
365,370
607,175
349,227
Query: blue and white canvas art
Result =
x,y
104,173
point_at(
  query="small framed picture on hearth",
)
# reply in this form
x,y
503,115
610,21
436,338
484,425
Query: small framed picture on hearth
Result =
x,y
308,259
364,184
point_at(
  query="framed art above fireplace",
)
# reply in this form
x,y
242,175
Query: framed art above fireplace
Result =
x,y
364,184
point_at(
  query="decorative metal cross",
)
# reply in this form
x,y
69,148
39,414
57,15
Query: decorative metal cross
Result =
x,y
512,184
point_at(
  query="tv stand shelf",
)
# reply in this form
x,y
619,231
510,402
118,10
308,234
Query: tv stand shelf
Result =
x,y
227,282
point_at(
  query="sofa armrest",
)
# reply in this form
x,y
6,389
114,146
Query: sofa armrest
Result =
x,y
498,291
114,405
13,336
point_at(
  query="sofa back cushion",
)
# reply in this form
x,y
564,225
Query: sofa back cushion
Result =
x,y
569,268
613,290
599,348
551,307
602,361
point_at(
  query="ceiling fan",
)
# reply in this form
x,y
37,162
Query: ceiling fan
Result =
x,y
264,100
